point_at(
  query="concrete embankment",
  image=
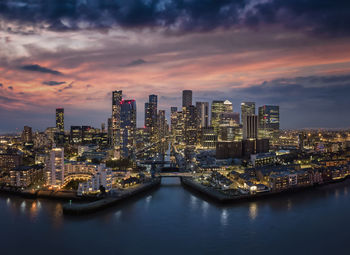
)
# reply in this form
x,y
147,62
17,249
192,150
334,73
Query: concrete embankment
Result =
x,y
219,196
48,194
84,208
210,192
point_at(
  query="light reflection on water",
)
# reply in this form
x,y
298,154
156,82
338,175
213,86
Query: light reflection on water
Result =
x,y
194,202
224,217
172,214
253,210
205,207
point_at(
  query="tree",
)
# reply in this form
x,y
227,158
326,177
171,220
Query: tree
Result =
x,y
102,190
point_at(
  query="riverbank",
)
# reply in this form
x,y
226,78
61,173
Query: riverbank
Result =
x,y
85,208
221,197
63,195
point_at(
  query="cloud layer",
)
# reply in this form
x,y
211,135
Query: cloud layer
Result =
x,y
295,53
40,69
328,17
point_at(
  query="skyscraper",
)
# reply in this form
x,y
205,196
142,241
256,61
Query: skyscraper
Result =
x,y
147,116
151,115
228,106
269,117
27,135
55,173
116,108
186,98
247,108
153,105
269,121
162,124
173,119
75,134
202,114
217,108
190,124
128,126
250,126
60,119
109,131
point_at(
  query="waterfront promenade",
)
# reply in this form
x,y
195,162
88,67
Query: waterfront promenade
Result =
x,y
84,208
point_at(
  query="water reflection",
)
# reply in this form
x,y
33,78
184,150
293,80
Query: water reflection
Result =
x,y
205,207
253,210
57,216
289,205
23,207
118,214
193,202
34,210
224,217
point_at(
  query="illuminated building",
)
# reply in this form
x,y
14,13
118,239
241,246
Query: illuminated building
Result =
x,y
128,126
179,128
190,124
9,161
186,98
202,114
208,138
50,132
250,127
147,116
27,135
173,119
230,132
228,106
24,176
269,120
162,124
55,173
229,118
87,134
116,121
102,177
75,134
151,115
247,108
217,109
60,119
109,131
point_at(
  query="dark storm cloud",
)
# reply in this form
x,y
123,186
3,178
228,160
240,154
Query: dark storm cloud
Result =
x,y
10,87
1,85
136,62
41,69
325,17
53,83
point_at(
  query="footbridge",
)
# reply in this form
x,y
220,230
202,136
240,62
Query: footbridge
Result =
x,y
174,174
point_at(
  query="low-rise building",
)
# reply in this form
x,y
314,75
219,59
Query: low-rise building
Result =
x,y
24,176
103,178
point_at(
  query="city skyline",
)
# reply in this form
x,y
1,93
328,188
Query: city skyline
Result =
x,y
174,126
62,56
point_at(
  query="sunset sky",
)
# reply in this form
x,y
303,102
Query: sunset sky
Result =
x,y
73,54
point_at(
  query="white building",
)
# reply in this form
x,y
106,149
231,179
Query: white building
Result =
x,y
55,170
103,177
80,167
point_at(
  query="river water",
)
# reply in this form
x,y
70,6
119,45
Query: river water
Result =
x,y
174,220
